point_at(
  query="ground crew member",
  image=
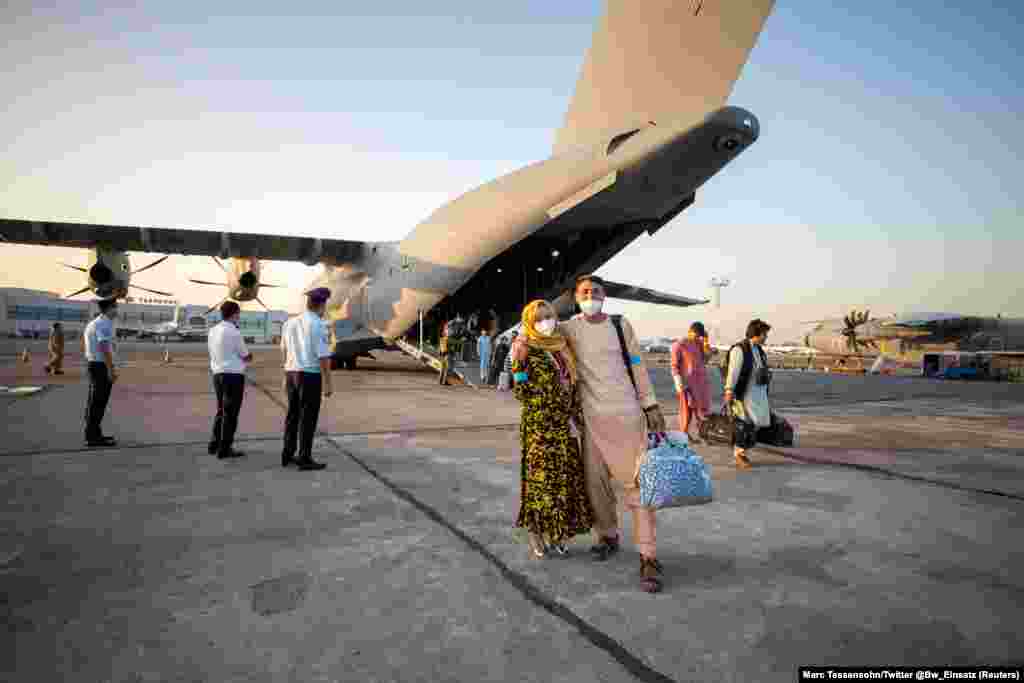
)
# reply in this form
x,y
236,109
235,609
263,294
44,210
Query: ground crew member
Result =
x,y
228,356
308,373
444,346
98,341
56,364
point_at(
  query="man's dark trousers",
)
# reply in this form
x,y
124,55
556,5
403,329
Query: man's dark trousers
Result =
x,y
99,395
304,390
230,388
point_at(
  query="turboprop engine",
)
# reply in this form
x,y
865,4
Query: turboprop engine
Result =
x,y
109,274
242,280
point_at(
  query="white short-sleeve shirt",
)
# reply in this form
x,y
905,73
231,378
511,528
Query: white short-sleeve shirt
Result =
x,y
305,339
227,349
98,331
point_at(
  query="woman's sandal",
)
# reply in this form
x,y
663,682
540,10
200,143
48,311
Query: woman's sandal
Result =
x,y
605,549
537,547
650,569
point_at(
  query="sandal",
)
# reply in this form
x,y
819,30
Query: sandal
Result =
x,y
650,568
537,548
605,549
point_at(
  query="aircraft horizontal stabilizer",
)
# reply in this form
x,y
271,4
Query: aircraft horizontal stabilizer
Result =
x,y
618,290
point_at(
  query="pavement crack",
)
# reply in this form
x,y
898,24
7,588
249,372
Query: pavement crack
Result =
x,y
891,473
633,664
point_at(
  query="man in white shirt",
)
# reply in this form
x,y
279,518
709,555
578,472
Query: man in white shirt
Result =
x,y
228,356
307,365
98,345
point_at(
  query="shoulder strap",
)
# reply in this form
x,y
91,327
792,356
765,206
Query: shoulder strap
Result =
x,y
617,322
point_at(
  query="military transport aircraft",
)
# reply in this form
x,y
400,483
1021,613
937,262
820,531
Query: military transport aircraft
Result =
x,y
858,334
646,128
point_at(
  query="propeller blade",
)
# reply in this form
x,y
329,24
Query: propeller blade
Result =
x,y
214,307
272,286
78,268
81,291
151,291
262,304
154,263
219,264
207,282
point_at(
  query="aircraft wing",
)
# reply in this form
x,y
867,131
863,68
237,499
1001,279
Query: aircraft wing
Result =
x,y
618,290
308,250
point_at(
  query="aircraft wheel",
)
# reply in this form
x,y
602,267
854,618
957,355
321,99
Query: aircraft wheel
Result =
x,y
350,363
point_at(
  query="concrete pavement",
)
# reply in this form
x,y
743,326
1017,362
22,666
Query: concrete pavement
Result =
x,y
155,561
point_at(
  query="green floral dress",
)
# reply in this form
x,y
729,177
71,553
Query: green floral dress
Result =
x,y
553,497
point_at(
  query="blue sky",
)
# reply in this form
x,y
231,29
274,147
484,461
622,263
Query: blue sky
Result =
x,y
886,174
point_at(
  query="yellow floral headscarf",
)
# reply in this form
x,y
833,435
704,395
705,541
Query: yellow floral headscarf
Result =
x,y
555,343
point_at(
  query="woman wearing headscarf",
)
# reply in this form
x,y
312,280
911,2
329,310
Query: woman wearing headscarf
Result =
x,y
689,356
553,499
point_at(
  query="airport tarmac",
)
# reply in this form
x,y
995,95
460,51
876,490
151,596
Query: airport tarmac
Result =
x,y
890,536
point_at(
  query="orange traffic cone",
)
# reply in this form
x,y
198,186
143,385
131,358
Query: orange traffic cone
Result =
x,y
24,356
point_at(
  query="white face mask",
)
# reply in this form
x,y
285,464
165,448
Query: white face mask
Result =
x,y
591,306
546,327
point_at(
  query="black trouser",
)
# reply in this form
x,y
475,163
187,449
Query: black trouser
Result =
x,y
303,412
99,395
230,388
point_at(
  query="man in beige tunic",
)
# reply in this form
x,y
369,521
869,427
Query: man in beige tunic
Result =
x,y
616,420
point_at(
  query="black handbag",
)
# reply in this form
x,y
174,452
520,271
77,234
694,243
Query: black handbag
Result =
x,y
725,429
779,433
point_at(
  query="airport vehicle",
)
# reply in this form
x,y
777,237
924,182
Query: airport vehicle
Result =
x,y
646,128
956,365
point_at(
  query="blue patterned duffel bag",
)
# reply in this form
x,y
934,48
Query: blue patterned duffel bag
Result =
x,y
673,475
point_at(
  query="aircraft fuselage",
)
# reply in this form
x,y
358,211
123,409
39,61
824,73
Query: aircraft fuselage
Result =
x,y
529,233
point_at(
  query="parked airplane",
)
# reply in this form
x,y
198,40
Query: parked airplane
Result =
x,y
183,327
899,334
242,281
110,273
646,128
789,349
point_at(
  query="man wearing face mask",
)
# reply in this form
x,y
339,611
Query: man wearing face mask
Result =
x,y
228,356
617,417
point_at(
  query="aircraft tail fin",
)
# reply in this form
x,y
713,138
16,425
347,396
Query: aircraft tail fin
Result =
x,y
660,60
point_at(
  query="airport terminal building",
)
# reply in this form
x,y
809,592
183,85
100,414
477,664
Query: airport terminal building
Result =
x,y
32,312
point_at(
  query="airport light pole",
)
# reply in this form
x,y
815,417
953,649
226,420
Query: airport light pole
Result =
x,y
717,283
